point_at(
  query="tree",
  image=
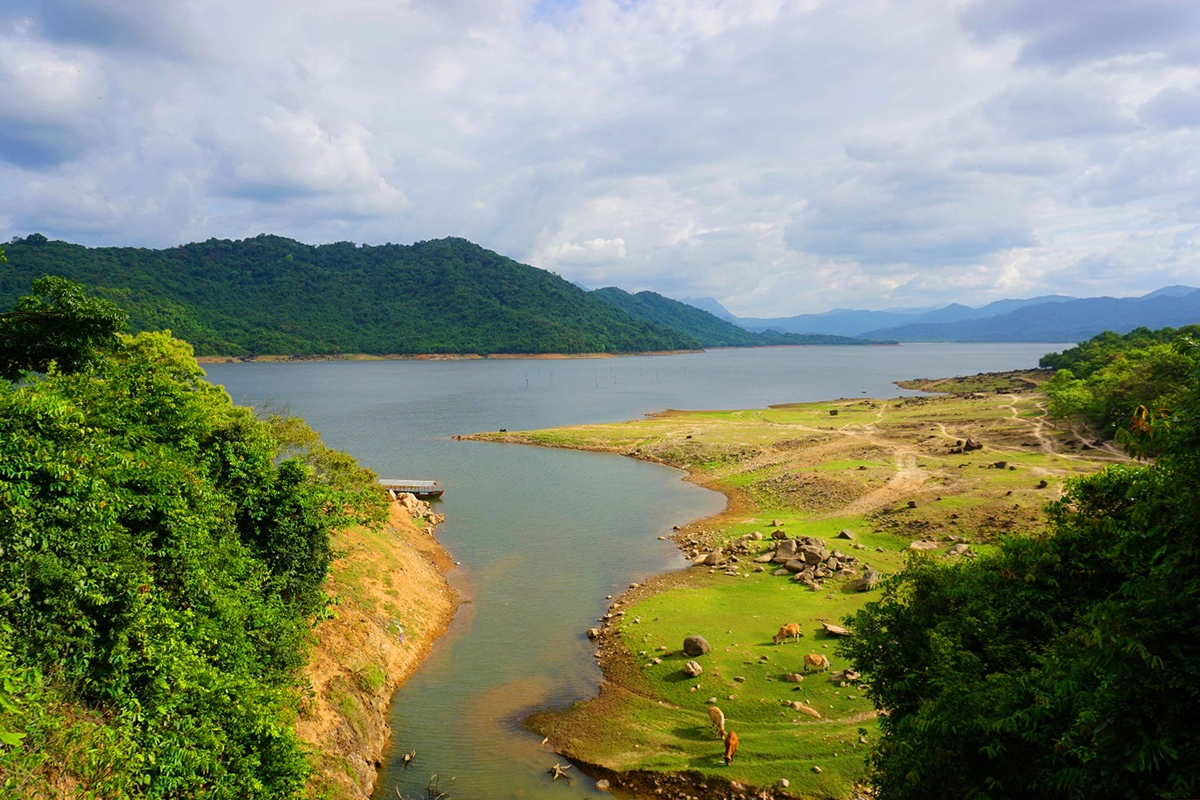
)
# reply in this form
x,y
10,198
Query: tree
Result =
x,y
1061,667
57,324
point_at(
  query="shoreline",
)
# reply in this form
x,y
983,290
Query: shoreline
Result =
x,y
301,359
888,504
391,600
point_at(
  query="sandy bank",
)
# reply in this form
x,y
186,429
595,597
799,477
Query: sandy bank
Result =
x,y
392,601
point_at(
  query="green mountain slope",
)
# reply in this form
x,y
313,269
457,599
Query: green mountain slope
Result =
x,y
271,295
708,329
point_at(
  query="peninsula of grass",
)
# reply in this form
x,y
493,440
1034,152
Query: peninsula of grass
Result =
x,y
869,477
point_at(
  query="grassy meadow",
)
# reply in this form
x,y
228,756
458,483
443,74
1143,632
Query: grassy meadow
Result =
x,y
891,473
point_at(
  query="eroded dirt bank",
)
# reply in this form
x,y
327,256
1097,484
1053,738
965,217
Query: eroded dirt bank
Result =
x,y
391,601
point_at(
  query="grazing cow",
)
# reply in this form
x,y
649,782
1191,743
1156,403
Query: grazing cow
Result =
x,y
820,662
789,631
731,746
718,719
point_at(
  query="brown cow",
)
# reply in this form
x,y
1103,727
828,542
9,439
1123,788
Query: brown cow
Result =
x,y
718,719
731,746
817,660
789,631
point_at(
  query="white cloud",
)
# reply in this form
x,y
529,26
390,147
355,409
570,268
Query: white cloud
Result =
x,y
781,155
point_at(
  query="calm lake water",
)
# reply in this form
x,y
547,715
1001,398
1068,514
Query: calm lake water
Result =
x,y
543,535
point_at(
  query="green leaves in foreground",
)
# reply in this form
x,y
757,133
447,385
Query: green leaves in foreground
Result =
x,y
1063,667
161,559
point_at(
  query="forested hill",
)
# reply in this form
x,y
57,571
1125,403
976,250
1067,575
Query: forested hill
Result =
x,y
271,295
709,329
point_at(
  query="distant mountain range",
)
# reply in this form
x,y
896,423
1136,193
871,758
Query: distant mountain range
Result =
x,y
1049,318
706,327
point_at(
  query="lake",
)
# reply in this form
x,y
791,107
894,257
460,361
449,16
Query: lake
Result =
x,y
543,535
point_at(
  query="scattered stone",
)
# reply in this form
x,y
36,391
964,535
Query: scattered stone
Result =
x,y
1042,484
696,646
712,701
739,678
959,549
592,633
971,444
816,769
603,785
793,677
912,503
805,709
657,661
867,582
693,669
862,739
846,533
835,630
776,523
924,546
781,571
784,783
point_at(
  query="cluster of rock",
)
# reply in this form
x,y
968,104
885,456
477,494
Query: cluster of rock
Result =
x,y
810,561
417,509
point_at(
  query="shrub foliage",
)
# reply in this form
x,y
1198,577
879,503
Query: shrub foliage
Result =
x,y
162,554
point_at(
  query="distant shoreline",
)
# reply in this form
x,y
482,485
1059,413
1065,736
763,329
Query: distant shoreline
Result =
x,y
296,359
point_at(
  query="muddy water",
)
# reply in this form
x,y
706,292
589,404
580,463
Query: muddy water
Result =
x,y
543,535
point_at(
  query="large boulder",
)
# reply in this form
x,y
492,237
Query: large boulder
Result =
x,y
785,552
695,646
867,582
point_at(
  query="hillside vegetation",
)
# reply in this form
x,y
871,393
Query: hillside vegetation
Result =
x,y
271,295
162,558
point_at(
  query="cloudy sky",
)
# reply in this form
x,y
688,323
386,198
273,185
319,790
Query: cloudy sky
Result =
x,y
781,156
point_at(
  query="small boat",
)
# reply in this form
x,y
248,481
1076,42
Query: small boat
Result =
x,y
424,490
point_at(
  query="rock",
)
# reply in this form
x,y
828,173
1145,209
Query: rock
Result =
x,y
739,678
795,565
603,785
776,523
712,701
786,551
912,503
756,536
765,558
779,534
845,534
999,464
971,444
835,630
816,769
783,783
696,646
1042,484
867,582
924,546
802,708
693,669
781,571
793,677
959,550
592,633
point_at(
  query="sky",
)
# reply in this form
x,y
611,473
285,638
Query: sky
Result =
x,y
781,156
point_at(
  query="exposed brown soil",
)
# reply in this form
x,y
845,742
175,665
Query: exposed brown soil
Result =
x,y
392,601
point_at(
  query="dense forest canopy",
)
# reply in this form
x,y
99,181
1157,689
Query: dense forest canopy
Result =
x,y
1064,666
162,554
271,295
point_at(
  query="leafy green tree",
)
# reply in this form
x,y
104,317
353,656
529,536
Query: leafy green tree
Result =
x,y
1061,667
161,559
56,324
